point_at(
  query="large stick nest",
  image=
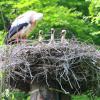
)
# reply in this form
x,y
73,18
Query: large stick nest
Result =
x,y
72,67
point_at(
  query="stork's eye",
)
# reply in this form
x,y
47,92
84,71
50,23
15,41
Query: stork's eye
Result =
x,y
41,33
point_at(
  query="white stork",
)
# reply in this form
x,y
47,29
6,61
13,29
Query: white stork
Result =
x,y
52,41
23,25
63,40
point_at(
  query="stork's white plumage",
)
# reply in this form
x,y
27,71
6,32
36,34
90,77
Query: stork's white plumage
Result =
x,y
52,40
23,25
63,40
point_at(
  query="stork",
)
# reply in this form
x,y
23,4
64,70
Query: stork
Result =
x,y
52,41
40,43
40,38
23,25
63,40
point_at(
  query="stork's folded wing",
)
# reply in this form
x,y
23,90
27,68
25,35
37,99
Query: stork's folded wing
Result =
x,y
16,29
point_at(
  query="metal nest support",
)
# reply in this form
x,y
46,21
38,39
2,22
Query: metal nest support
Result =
x,y
71,66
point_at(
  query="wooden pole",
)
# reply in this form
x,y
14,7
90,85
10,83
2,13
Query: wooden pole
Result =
x,y
42,93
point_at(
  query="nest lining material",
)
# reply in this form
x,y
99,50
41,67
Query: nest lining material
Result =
x,y
73,67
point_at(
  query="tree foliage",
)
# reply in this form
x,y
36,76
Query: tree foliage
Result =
x,y
94,10
72,15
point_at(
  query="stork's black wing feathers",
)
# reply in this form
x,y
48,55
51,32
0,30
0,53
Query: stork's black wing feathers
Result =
x,y
15,29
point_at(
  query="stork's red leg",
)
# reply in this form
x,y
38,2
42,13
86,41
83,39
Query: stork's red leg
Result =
x,y
17,40
24,40
41,98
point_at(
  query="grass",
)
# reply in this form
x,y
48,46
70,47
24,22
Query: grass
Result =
x,y
84,97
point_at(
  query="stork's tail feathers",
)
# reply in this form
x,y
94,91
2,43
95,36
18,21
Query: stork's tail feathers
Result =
x,y
6,40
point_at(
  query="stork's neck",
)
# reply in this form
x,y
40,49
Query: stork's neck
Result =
x,y
40,38
33,22
52,37
62,38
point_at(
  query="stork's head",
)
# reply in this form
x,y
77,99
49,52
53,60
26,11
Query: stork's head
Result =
x,y
35,16
52,30
40,32
63,32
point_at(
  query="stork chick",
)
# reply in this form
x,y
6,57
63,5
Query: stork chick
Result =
x,y
40,38
63,40
52,41
23,25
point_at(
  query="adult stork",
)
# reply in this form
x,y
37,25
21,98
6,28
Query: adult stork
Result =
x,y
23,25
63,40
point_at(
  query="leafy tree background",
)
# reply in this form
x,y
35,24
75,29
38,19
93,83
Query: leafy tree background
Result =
x,y
79,17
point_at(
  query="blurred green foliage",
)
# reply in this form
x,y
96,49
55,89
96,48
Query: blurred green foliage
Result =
x,y
79,17
84,97
94,10
14,95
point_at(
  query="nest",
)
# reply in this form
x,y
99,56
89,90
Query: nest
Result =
x,y
72,67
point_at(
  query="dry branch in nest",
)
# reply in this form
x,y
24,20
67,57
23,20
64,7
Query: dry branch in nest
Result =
x,y
71,67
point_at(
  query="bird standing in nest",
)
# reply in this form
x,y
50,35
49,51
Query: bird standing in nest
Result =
x,y
40,38
52,40
22,26
63,40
